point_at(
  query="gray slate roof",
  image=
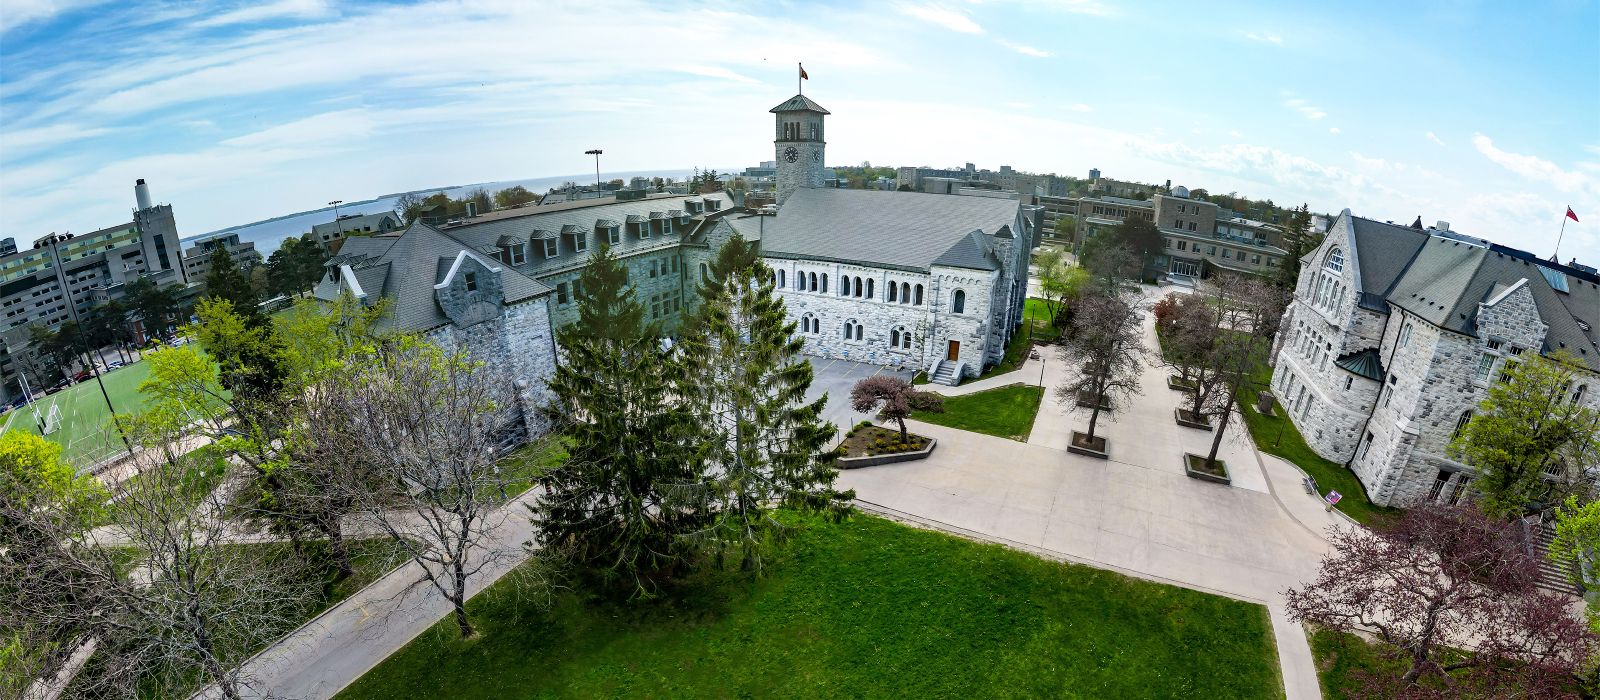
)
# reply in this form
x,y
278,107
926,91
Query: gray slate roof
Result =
x,y
1383,250
403,270
1442,280
355,223
481,235
799,102
902,230
1365,363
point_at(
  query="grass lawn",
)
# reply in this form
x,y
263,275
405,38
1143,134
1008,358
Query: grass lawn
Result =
x,y
85,435
526,464
1035,317
1004,412
864,608
1330,476
1339,655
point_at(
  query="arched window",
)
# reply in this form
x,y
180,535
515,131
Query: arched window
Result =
x,y
813,285
1577,394
855,287
958,302
900,338
869,287
780,279
1461,423
894,337
705,272
905,292
808,323
852,330
860,331
1335,261
918,302
893,288
824,283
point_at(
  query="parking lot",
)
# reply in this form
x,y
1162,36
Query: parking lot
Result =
x,y
834,378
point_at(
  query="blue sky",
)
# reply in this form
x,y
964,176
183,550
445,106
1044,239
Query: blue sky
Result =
x,y
1486,115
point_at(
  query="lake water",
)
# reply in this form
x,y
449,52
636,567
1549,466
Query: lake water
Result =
x,y
269,234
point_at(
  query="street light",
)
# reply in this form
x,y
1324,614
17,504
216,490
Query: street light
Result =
x,y
54,240
335,204
596,153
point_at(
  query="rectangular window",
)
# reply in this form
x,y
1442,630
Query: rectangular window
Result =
x,y
1255,260
1225,253
580,243
1438,485
1366,445
1494,345
1485,363
519,254
550,247
561,293
1191,226
1211,250
653,270
614,235
1461,487
472,281
1183,245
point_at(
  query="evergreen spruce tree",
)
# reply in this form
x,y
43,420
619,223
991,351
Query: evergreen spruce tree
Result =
x,y
226,281
1297,240
615,504
761,444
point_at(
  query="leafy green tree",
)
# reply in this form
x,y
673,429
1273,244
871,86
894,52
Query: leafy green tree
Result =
x,y
155,306
1297,241
1140,236
1066,227
617,504
744,380
248,354
1530,440
513,196
1062,284
1576,547
225,281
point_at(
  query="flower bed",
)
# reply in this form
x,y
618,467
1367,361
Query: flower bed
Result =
x,y
868,445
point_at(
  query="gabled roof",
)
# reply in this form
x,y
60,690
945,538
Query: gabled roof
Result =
x,y
799,103
1383,250
901,230
373,221
405,272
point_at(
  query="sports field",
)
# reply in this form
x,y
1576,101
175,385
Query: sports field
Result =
x,y
86,435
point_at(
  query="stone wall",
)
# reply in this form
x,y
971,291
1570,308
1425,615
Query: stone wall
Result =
x,y
519,353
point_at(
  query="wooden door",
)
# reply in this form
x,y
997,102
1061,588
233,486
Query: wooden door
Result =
x,y
954,351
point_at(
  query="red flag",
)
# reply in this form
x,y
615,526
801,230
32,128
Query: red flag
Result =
x,y
803,75
1570,215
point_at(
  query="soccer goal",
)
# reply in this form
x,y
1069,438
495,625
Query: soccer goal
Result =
x,y
52,419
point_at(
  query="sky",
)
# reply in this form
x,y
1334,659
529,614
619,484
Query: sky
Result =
x,y
1486,115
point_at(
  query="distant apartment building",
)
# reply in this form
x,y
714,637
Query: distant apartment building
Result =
x,y
94,268
1199,236
197,259
8,246
363,224
1119,188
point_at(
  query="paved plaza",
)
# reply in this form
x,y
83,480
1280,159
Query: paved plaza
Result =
x,y
1136,512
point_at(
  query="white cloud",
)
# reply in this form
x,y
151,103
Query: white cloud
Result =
x,y
1080,107
1434,138
282,9
1235,133
1333,129
17,13
952,20
1305,108
1265,38
1026,50
1538,169
718,72
14,142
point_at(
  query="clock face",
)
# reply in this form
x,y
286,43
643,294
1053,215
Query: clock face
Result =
x,y
791,154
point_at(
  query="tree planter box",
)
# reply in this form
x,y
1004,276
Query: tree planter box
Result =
x,y
1194,466
1189,420
1079,445
875,460
1086,400
1177,384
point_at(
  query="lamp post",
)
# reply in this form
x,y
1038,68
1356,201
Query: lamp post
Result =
x,y
596,153
52,241
335,204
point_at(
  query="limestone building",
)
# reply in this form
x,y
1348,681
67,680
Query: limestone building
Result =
x,y
1395,334
1199,236
906,279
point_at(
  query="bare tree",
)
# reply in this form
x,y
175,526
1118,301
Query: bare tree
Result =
x,y
1189,332
1248,313
893,398
1104,350
188,601
1451,593
425,423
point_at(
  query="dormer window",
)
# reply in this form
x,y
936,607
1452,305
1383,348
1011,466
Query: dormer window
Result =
x,y
579,236
550,247
713,204
580,243
517,254
613,235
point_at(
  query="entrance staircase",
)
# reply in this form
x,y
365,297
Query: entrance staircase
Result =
x,y
1552,576
946,372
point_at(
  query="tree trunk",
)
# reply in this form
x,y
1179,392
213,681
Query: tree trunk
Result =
x,y
1222,427
338,548
902,421
459,599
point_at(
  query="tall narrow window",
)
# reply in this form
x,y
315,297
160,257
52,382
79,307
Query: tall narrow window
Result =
x,y
905,292
780,278
1485,363
472,281
918,302
959,302
1405,335
550,247
893,292
894,337
824,283
1366,445
869,288
813,285
1461,423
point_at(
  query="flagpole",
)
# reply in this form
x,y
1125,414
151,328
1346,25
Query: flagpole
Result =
x,y
1564,216
800,89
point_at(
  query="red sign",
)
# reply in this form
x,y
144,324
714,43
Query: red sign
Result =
x,y
1332,498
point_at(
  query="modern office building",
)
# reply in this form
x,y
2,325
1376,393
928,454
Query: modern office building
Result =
x,y
197,259
1200,237
362,224
94,267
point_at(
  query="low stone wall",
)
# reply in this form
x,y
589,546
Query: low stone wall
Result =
x,y
875,460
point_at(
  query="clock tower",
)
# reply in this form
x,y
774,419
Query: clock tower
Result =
x,y
799,144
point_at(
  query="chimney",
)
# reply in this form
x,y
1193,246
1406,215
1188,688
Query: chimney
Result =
x,y
1442,225
472,209
141,194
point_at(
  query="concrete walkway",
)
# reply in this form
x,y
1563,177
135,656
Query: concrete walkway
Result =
x,y
1136,513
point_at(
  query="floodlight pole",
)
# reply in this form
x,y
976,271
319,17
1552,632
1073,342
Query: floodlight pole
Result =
x,y
72,305
596,153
